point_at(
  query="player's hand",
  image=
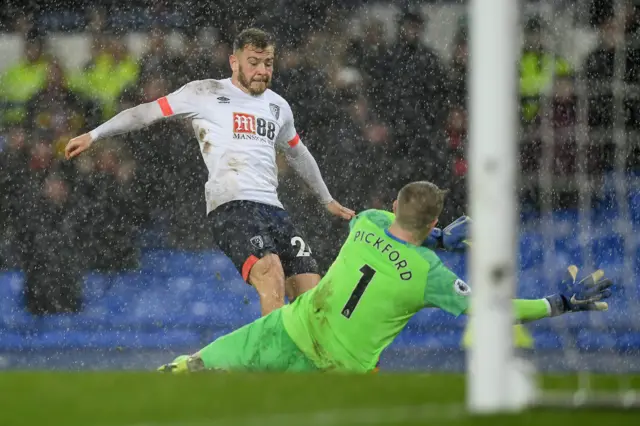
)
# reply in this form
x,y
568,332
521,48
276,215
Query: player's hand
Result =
x,y
586,295
336,209
455,237
434,240
77,145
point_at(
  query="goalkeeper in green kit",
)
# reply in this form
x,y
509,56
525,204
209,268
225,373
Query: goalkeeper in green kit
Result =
x,y
379,280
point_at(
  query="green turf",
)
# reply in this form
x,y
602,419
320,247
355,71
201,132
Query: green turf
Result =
x,y
127,399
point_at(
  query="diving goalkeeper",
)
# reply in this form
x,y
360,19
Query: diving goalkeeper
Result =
x,y
380,279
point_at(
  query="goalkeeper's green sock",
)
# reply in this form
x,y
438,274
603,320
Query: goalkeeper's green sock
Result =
x,y
521,337
525,310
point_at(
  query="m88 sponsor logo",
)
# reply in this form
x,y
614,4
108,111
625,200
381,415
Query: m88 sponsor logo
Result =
x,y
248,126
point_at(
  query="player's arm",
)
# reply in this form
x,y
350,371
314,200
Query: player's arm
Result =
x,y
177,104
585,295
448,292
301,160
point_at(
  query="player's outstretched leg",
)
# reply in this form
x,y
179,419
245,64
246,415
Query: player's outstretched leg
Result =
x,y
267,277
263,345
300,283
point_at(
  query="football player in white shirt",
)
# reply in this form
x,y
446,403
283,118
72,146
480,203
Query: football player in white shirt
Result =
x,y
239,123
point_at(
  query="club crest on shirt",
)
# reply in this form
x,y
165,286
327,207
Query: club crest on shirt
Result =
x,y
461,288
275,110
257,242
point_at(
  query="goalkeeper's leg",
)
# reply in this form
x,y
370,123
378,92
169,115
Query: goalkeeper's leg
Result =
x,y
522,338
263,345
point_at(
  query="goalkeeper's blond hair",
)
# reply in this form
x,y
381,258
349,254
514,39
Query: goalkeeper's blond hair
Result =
x,y
419,204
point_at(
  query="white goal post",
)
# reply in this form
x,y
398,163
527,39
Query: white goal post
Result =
x,y
494,42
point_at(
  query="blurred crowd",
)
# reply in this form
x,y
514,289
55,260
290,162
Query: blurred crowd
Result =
x,y
375,113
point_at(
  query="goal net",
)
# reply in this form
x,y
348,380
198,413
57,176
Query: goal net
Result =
x,y
578,194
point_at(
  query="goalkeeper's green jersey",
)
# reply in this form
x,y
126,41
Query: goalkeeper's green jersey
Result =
x,y
375,285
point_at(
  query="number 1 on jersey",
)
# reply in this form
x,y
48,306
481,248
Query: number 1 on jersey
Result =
x,y
367,275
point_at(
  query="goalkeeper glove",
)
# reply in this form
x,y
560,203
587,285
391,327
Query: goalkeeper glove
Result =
x,y
434,240
585,295
452,238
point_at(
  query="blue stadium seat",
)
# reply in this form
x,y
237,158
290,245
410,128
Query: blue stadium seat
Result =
x,y
133,281
528,216
153,307
436,319
180,262
454,261
173,262
608,249
629,341
11,284
234,311
636,263
96,286
72,339
561,222
185,302
220,303
634,207
577,320
17,319
532,283
92,318
105,296
620,315
12,308
408,339
594,340
570,249
63,339
119,299
531,252
12,341
565,216
605,208
546,340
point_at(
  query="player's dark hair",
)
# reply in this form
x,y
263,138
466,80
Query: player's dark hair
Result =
x,y
253,37
419,204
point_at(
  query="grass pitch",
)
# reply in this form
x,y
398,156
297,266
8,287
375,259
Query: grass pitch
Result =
x,y
154,399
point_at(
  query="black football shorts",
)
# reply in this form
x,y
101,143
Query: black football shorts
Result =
x,y
246,231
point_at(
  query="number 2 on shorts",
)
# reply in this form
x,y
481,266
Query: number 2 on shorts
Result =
x,y
367,275
304,250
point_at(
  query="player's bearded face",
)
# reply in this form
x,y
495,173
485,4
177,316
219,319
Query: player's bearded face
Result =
x,y
255,69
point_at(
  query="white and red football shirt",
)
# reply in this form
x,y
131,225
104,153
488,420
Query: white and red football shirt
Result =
x,y
238,135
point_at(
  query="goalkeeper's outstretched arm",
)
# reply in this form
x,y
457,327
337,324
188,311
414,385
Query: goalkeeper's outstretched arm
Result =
x,y
586,295
527,310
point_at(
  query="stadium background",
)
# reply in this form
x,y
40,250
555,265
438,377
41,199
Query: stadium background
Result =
x,y
108,262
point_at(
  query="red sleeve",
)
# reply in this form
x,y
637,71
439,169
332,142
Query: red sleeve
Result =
x,y
293,142
165,107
